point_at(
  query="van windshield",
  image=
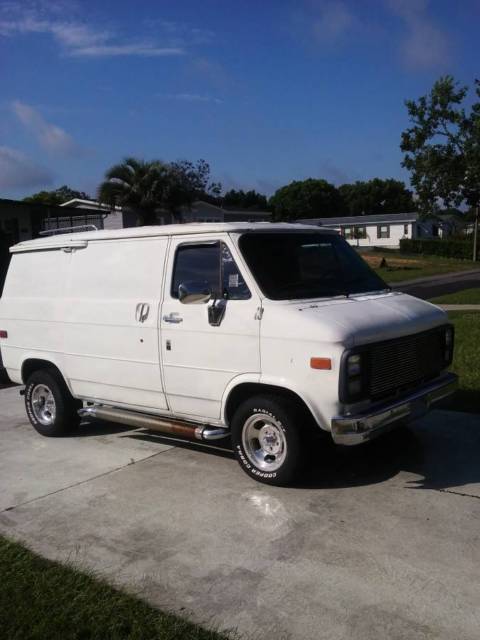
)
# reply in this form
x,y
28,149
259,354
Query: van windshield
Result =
x,y
300,265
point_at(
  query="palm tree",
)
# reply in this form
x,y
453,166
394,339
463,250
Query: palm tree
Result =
x,y
138,186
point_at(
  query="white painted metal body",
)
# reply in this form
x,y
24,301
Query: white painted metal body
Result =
x,y
94,304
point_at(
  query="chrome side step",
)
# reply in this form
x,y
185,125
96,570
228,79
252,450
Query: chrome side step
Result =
x,y
155,423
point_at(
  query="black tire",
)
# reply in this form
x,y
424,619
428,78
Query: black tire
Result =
x,y
63,415
286,424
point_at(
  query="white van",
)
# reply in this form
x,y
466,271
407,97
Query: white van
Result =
x,y
258,331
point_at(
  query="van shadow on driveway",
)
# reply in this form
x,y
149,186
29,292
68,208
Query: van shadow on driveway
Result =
x,y
221,448
442,460
94,428
442,449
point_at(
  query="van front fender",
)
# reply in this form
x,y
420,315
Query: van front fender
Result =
x,y
247,385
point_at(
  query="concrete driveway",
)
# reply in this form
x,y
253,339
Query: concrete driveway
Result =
x,y
378,542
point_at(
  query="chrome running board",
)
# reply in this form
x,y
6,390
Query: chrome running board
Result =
x,y
155,423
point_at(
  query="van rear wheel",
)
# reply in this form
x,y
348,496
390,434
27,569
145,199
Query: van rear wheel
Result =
x,y
266,438
50,407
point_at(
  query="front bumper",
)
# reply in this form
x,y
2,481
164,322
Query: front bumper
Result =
x,y
355,429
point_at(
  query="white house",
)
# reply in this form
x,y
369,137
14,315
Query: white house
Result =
x,y
200,211
107,217
381,230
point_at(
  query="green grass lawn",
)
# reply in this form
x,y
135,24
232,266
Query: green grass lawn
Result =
x,y
466,361
401,266
467,296
43,600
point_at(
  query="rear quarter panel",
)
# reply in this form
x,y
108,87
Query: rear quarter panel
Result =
x,y
32,308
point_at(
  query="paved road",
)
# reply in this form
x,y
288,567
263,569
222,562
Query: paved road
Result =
x,y
378,542
426,288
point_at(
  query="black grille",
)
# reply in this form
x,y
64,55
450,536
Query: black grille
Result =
x,y
397,365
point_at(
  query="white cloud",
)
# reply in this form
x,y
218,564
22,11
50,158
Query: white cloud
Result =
x,y
182,34
137,49
19,172
193,97
50,137
424,44
76,38
333,22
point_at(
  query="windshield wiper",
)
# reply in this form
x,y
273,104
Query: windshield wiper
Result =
x,y
371,291
312,293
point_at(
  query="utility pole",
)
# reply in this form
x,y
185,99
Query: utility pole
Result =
x,y
475,233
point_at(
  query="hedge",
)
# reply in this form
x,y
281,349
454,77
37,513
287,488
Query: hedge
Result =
x,y
461,249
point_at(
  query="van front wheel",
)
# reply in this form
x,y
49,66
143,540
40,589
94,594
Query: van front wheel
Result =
x,y
50,407
266,439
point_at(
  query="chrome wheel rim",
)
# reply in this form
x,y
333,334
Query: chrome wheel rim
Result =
x,y
43,405
264,442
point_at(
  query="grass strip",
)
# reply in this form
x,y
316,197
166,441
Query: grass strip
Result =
x,y
40,600
466,362
467,296
400,267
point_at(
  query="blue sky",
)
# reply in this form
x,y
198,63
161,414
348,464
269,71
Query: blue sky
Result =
x,y
267,92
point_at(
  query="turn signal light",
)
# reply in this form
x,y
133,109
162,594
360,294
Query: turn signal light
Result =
x,y
320,363
3,334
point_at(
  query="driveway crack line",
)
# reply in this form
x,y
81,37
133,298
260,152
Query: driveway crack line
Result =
x,y
77,484
457,493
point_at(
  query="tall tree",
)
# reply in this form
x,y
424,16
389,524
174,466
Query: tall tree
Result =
x,y
241,199
148,188
442,147
137,186
187,182
58,196
376,196
309,198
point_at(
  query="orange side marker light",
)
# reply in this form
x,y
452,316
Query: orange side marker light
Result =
x,y
320,363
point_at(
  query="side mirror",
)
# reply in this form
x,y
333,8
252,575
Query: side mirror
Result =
x,y
194,292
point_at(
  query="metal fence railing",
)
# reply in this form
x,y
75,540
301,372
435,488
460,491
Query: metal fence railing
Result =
x,y
57,224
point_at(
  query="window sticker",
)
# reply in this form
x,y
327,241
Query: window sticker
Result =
x,y
233,280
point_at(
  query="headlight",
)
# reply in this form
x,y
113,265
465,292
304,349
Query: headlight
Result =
x,y
448,351
354,386
354,365
353,380
448,336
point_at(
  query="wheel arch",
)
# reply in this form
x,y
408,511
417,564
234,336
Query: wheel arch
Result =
x,y
30,365
245,390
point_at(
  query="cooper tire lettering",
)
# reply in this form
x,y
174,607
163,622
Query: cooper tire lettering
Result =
x,y
279,434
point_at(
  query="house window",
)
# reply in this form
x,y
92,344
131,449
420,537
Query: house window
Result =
x,y
348,233
405,229
360,232
383,231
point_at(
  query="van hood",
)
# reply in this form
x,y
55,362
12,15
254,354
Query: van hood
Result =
x,y
358,319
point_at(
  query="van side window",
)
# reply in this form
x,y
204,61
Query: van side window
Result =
x,y
234,286
197,262
212,263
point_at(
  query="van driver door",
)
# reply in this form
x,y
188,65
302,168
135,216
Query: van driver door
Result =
x,y
206,340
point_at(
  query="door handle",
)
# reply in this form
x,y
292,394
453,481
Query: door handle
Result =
x,y
173,317
142,311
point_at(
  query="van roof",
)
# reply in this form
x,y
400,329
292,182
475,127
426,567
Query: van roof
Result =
x,y
80,239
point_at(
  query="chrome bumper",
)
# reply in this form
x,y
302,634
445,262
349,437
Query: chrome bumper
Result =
x,y
355,429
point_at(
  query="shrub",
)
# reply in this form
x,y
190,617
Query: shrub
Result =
x,y
460,249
